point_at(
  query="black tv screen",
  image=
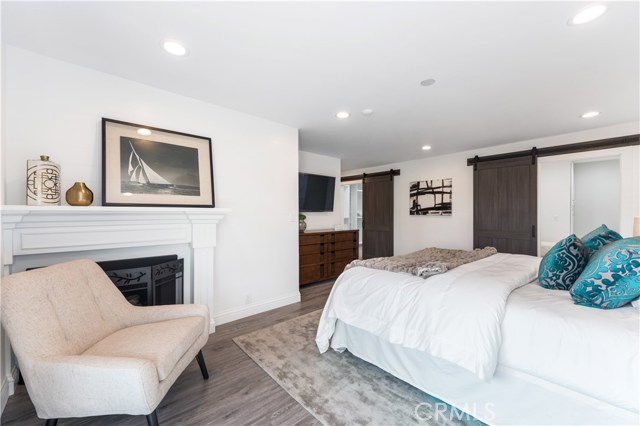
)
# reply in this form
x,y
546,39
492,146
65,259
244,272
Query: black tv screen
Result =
x,y
315,192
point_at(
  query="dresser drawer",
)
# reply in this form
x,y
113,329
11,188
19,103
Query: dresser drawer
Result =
x,y
311,249
312,273
311,259
344,254
343,245
307,239
345,236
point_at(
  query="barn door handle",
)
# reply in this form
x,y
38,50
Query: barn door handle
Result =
x,y
533,231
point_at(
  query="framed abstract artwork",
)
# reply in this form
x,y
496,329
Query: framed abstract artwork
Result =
x,y
148,166
431,197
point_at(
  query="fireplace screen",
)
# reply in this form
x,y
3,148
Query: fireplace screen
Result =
x,y
148,281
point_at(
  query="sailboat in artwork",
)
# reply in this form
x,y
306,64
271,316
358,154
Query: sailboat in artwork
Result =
x,y
141,173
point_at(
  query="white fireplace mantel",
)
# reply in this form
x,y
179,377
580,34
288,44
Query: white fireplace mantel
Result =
x,y
36,230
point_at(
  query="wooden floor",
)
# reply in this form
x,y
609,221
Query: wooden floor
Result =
x,y
238,392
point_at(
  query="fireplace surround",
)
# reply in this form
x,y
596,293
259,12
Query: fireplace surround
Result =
x,y
39,235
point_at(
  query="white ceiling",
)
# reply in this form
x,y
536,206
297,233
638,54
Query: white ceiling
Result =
x,y
505,71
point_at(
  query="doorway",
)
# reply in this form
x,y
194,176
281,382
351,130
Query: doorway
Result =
x,y
352,208
579,192
595,197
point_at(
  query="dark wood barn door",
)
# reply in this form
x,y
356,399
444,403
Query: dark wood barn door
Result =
x,y
505,205
377,213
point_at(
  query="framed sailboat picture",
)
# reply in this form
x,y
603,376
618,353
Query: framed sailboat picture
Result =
x,y
148,166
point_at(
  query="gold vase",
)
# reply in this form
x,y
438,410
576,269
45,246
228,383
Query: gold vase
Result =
x,y
79,195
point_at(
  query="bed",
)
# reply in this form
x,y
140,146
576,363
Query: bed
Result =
x,y
485,338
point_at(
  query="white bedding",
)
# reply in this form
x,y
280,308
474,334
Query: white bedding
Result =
x,y
455,316
544,335
588,350
511,398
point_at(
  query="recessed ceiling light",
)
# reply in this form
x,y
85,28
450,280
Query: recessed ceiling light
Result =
x,y
590,114
588,14
144,132
175,48
342,114
367,111
426,147
428,82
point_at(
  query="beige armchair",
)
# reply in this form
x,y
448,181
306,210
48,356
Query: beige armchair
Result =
x,y
83,350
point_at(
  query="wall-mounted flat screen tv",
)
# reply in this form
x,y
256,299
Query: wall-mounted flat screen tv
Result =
x,y
315,192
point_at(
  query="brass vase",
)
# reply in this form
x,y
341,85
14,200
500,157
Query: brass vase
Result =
x,y
79,195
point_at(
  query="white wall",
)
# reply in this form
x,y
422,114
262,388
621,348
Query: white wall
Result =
x,y
416,232
554,204
6,385
328,166
55,108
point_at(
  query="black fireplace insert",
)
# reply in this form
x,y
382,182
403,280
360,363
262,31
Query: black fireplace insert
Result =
x,y
148,281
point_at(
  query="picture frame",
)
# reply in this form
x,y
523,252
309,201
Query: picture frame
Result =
x,y
431,197
153,167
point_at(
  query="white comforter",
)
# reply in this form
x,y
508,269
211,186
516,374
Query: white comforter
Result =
x,y
456,316
589,350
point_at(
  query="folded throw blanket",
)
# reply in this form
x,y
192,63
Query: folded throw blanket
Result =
x,y
427,262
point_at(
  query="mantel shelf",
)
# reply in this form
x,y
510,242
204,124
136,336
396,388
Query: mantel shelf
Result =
x,y
15,207
104,210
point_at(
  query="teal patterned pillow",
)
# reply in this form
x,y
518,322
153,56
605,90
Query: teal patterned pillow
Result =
x,y
599,237
563,264
611,278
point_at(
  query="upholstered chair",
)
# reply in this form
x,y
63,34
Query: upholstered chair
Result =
x,y
84,350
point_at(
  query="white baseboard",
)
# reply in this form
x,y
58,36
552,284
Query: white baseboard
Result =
x,y
256,308
8,387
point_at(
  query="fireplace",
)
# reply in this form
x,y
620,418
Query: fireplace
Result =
x,y
148,281
36,235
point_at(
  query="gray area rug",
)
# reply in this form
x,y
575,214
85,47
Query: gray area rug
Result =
x,y
340,389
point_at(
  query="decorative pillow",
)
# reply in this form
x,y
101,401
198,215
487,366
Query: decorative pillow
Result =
x,y
599,237
563,264
612,277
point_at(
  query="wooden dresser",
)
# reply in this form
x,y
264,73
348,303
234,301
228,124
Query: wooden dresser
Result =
x,y
324,254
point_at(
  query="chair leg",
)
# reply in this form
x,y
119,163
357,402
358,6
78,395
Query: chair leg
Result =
x,y
203,366
152,419
51,422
